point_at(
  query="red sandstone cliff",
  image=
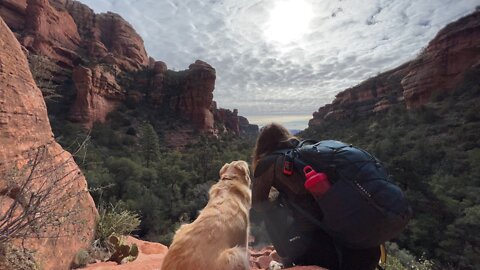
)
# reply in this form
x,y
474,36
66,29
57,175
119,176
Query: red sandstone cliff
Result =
x,y
440,67
24,133
103,56
444,62
98,93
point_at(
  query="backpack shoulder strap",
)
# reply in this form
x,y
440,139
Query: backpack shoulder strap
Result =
x,y
304,142
264,164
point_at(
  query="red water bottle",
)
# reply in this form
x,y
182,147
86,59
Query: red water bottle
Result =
x,y
317,183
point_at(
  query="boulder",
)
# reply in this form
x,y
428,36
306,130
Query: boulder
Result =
x,y
28,149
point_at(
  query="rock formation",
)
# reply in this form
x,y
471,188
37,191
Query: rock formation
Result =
x,y
98,93
231,119
195,99
444,62
150,257
51,33
25,134
373,95
441,66
107,62
13,13
152,254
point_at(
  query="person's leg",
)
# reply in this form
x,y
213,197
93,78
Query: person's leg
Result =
x,y
360,259
321,252
282,230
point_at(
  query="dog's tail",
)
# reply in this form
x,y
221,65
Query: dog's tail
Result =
x,y
234,259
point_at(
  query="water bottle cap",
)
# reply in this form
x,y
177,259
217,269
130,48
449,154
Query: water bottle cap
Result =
x,y
308,170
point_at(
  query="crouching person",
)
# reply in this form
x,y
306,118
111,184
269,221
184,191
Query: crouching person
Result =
x,y
297,239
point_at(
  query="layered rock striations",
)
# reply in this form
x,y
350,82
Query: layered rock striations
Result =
x,y
28,149
105,62
373,95
98,93
13,13
440,67
197,96
444,62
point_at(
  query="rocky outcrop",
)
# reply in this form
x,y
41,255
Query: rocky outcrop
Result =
x,y
98,93
232,121
440,67
13,13
197,96
28,148
107,62
121,44
106,37
151,257
373,95
69,32
51,33
228,117
157,93
444,62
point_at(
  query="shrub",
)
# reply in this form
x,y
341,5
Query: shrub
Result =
x,y
19,259
401,259
82,258
113,220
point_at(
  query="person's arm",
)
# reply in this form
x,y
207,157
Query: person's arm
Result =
x,y
261,188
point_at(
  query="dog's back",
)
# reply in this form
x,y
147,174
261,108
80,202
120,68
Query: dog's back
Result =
x,y
217,239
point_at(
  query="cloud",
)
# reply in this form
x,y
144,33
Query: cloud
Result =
x,y
345,43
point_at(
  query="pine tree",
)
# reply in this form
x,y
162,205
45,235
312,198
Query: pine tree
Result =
x,y
149,144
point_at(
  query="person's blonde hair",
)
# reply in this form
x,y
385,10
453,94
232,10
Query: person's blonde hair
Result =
x,y
271,137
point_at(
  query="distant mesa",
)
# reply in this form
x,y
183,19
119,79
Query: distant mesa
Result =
x,y
440,67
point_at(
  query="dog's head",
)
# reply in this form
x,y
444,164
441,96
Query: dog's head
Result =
x,y
236,170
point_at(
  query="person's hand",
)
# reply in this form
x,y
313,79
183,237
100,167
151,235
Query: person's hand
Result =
x,y
273,195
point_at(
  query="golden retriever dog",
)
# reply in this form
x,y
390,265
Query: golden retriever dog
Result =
x,y
217,239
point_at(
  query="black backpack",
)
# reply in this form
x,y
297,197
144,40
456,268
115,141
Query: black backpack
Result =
x,y
363,208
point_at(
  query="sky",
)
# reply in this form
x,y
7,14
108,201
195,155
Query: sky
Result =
x,y
280,60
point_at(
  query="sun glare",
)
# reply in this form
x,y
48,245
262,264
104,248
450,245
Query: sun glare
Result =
x,y
289,21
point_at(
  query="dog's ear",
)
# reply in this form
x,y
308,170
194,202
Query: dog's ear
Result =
x,y
242,166
223,169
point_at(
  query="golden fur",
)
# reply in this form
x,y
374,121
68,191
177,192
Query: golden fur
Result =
x,y
217,239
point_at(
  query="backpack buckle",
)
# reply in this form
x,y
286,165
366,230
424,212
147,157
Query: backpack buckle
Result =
x,y
288,165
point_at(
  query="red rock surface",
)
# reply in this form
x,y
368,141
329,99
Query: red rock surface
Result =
x,y
98,93
444,62
197,99
228,117
69,34
13,13
439,68
25,128
50,32
150,258
373,95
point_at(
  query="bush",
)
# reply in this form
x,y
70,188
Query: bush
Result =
x,y
401,259
82,258
113,220
18,259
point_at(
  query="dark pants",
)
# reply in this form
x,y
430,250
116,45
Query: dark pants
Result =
x,y
323,252
315,247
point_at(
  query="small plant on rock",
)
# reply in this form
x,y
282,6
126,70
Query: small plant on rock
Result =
x,y
123,252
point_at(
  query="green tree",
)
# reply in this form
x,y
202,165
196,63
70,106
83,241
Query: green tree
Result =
x,y
150,146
